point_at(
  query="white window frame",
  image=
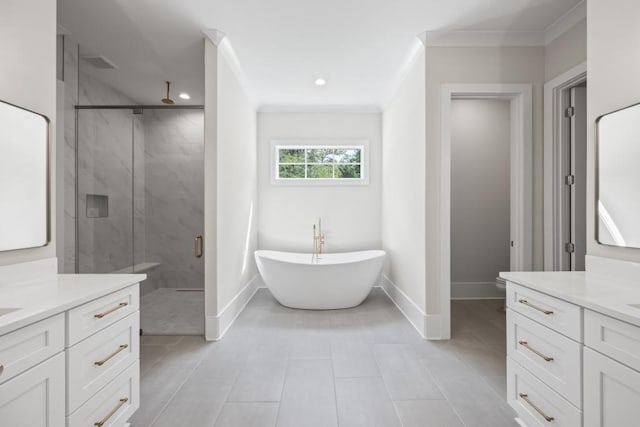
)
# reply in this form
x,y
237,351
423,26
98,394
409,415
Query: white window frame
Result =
x,y
361,144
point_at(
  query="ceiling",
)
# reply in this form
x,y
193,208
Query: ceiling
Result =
x,y
282,46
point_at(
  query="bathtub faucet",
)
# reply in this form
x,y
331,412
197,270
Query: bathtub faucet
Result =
x,y
318,241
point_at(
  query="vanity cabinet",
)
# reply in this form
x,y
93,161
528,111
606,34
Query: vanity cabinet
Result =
x,y
76,368
35,398
611,392
544,354
611,372
568,364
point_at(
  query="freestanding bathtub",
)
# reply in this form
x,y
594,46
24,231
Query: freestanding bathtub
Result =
x,y
340,280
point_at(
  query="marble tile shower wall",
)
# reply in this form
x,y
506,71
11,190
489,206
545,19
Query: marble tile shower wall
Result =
x,y
70,77
174,195
104,140
105,169
157,194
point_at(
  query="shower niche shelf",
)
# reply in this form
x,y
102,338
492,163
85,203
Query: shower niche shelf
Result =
x,y
97,206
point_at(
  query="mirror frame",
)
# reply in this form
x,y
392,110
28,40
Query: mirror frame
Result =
x,y
596,218
47,179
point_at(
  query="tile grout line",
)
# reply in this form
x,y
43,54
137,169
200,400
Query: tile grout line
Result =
x,y
395,408
286,375
173,395
335,393
453,408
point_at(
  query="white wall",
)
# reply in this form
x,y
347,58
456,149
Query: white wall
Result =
x,y
210,186
237,181
476,65
230,189
403,187
613,67
28,70
350,214
480,202
567,51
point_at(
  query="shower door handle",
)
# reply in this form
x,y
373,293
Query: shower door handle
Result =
x,y
198,246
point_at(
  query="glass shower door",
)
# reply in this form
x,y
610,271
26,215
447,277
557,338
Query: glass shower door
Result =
x,y
104,191
140,207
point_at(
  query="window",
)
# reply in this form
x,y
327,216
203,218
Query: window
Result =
x,y
319,162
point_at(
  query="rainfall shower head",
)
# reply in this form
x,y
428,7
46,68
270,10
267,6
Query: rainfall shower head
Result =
x,y
167,100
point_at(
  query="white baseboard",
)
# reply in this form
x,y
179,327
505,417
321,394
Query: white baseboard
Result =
x,y
408,308
433,327
259,281
475,290
217,326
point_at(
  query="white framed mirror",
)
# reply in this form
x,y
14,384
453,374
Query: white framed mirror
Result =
x,y
618,178
24,178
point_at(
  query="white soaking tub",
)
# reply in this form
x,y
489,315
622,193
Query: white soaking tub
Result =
x,y
333,281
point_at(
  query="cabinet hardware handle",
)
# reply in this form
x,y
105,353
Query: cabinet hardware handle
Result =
x,y
118,307
198,251
110,414
1,369
525,397
109,357
535,307
533,350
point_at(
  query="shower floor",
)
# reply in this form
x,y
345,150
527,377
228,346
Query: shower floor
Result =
x,y
172,311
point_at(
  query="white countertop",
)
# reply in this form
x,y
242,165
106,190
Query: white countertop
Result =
x,y
598,292
55,294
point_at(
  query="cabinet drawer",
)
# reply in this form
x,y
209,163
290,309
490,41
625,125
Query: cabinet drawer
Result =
x,y
533,400
36,397
611,393
97,360
619,340
28,346
114,404
551,357
95,315
553,313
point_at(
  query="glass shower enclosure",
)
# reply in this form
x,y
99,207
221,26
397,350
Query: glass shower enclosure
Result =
x,y
140,207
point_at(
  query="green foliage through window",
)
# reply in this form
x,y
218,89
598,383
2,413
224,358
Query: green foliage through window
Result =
x,y
319,163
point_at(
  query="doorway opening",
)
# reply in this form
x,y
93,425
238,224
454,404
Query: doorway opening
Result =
x,y
480,199
520,181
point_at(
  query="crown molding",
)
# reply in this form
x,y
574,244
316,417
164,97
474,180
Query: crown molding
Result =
x,y
507,38
483,38
566,22
222,42
394,85
216,36
358,109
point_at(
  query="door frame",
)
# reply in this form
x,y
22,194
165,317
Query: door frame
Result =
x,y
520,97
554,131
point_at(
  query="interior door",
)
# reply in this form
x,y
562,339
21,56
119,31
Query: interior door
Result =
x,y
578,187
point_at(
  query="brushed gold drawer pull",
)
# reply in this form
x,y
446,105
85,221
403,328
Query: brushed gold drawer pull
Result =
x,y
113,411
119,306
533,350
109,357
535,307
525,397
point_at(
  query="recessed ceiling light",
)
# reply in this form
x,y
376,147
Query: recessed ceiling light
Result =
x,y
184,95
320,82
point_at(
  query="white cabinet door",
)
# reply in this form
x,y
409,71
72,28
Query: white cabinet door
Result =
x,y
36,397
611,392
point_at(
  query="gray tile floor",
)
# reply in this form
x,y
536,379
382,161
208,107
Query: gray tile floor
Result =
x,y
172,311
359,367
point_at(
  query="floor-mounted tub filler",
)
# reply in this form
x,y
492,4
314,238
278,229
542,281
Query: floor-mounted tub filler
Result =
x,y
330,281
